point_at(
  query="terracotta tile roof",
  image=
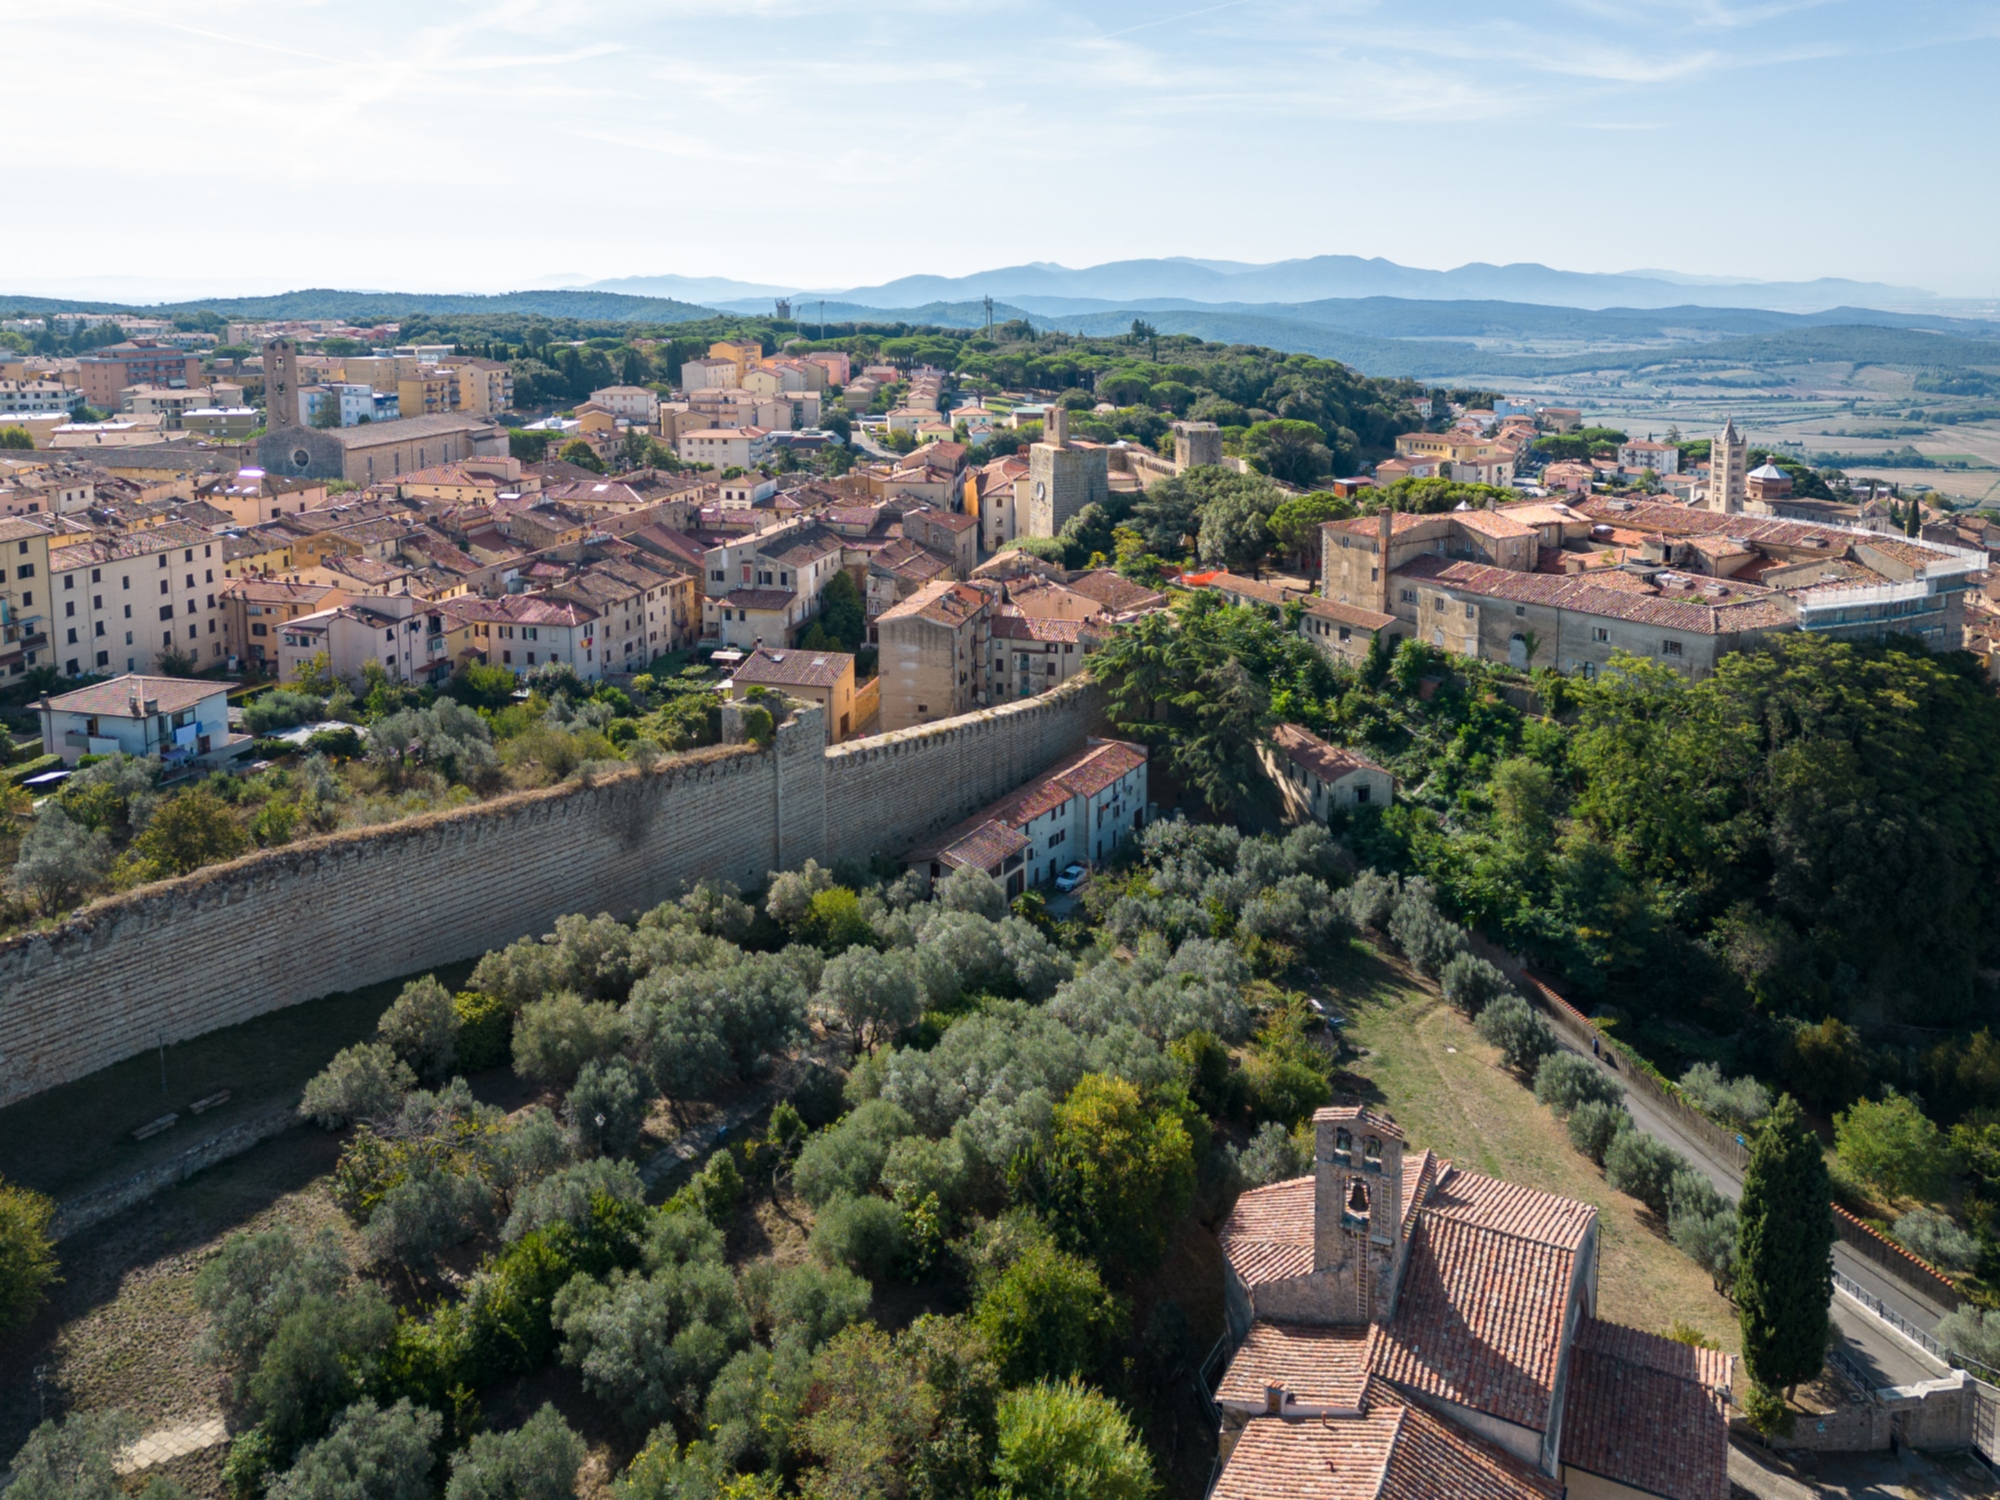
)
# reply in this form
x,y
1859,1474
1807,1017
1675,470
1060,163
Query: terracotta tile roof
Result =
x,y
1492,523
1116,592
1587,594
1493,1203
1393,1451
1247,588
1308,751
1646,1412
1012,625
794,668
983,847
1268,1236
1084,774
167,695
766,599
1710,1368
1348,614
1479,1319
942,602
1317,1366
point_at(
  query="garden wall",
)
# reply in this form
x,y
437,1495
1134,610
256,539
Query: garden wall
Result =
x,y
177,959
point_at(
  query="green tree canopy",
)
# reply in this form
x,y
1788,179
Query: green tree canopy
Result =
x,y
1784,1252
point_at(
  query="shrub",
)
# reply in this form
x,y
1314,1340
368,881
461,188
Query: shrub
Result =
x,y
1116,1175
59,859
1370,899
421,1028
863,1234
320,1359
1642,1168
812,1303
536,1461
918,1168
848,1157
1890,1145
1068,1441
1703,1224
1523,1037
1048,1317
485,1030
1428,938
606,1107
555,1037
1767,1412
73,1459
27,1252
432,1208
571,1194
1594,1125
363,1082
282,708
651,1345
374,1453
714,1191
1565,1080
254,1284
1738,1101
1972,1332
1273,1155
1471,983
1927,1233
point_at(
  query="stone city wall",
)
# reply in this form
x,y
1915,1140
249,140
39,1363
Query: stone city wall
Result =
x,y
183,957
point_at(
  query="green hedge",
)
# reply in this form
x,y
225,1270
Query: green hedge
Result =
x,y
35,767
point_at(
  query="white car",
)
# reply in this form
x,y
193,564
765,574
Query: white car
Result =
x,y
1070,879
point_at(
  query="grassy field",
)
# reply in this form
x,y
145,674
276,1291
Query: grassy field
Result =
x,y
1446,1088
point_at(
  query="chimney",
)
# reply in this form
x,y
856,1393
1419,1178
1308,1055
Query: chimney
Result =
x,y
1385,526
1274,1400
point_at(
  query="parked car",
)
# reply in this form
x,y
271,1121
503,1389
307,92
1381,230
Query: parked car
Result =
x,y
1071,878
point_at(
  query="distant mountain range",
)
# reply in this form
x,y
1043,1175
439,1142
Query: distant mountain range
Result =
x,y
1044,287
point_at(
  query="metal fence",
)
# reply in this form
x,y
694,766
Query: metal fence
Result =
x,y
1922,1338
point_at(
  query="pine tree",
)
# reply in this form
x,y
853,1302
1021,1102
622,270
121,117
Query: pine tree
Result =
x,y
1784,1250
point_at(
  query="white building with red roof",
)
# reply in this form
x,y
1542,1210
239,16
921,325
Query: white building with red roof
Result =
x,y
1409,1330
1077,812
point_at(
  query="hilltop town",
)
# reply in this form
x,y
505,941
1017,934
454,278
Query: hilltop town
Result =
x,y
908,911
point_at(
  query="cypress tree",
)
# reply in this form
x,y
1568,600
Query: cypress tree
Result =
x,y
1784,1252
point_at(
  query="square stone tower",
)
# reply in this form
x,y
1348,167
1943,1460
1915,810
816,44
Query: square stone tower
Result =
x,y
1063,479
1358,1211
1196,444
281,384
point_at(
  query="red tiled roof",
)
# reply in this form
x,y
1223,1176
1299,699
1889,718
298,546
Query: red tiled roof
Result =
x,y
794,668
1269,1234
1391,1452
1348,614
1479,1320
1588,594
1643,1411
1116,592
1493,1203
1317,1366
1308,751
764,599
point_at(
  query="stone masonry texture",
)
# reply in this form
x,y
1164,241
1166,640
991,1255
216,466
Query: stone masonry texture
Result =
x,y
175,960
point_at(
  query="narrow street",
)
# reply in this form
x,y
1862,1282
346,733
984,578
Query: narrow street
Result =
x,y
1882,1354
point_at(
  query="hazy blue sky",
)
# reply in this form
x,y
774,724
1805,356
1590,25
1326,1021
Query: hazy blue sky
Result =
x,y
440,144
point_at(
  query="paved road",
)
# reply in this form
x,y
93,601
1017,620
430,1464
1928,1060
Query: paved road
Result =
x,y
1887,1357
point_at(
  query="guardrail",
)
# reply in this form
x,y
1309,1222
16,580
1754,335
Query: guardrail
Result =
x,y
1922,1338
